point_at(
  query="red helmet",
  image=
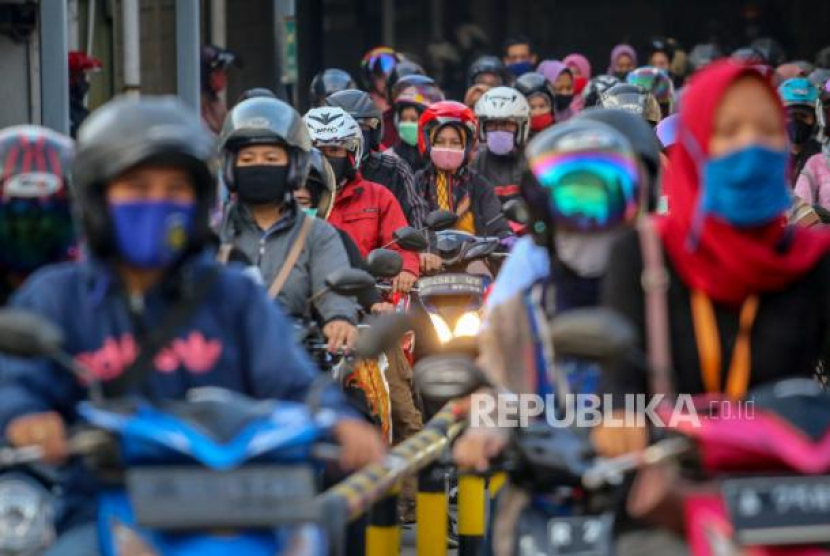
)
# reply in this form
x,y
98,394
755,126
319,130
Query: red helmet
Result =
x,y
446,112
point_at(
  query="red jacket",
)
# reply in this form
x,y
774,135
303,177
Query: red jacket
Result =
x,y
369,213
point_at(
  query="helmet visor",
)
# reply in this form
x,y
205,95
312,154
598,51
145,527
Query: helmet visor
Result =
x,y
382,62
588,191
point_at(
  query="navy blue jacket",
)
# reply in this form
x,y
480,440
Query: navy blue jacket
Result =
x,y
236,339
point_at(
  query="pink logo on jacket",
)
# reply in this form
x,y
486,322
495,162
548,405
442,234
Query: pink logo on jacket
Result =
x,y
195,353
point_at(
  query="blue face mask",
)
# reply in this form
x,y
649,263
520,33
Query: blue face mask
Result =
x,y
152,234
310,211
520,68
747,187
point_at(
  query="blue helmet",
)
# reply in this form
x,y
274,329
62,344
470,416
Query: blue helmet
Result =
x,y
798,91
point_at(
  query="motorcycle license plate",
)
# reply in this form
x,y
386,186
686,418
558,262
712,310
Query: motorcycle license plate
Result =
x,y
177,498
779,510
589,535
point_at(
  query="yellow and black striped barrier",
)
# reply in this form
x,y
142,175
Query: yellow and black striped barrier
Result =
x,y
472,510
383,536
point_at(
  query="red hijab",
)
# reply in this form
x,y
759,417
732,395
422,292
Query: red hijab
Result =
x,y
723,261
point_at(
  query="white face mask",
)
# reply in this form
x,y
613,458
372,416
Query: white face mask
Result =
x,y
586,254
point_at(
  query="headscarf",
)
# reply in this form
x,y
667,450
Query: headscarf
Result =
x,y
620,50
580,62
725,262
552,69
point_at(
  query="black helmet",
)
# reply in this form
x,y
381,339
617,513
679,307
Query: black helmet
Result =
x,y
487,64
634,99
704,54
596,87
749,55
642,138
328,82
322,184
771,50
532,83
265,121
127,132
362,108
403,69
256,92
659,44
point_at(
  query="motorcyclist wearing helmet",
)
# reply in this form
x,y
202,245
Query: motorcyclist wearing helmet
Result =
x,y
704,54
800,98
813,184
540,98
504,125
265,156
583,191
375,69
561,78
447,133
328,82
385,169
407,109
406,74
36,224
529,261
660,54
634,99
658,83
214,75
144,187
487,70
365,210
596,87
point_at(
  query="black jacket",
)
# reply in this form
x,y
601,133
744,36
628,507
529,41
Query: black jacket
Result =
x,y
504,172
486,208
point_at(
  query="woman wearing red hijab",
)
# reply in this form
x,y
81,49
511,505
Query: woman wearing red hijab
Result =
x,y
748,295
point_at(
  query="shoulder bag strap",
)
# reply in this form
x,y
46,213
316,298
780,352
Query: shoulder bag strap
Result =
x,y
296,248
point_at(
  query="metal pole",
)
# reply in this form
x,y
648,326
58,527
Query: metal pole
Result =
x,y
187,52
74,41
90,27
54,65
218,29
389,23
132,46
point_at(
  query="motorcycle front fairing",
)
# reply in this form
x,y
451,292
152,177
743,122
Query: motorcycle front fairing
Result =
x,y
220,435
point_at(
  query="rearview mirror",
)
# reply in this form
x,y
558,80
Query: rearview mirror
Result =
x,y
596,334
442,378
27,334
384,263
410,239
349,281
438,220
516,211
384,333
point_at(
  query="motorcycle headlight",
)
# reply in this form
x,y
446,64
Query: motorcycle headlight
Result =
x,y
468,324
441,329
128,542
26,516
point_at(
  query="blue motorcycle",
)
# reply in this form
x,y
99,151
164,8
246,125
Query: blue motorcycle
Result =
x,y
217,473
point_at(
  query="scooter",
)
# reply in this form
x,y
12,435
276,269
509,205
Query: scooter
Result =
x,y
28,492
217,473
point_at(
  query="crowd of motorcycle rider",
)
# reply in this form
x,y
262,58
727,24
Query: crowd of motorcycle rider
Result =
x,y
724,159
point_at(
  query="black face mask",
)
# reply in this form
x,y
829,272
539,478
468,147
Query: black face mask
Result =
x,y
799,131
342,168
262,184
367,141
621,75
562,102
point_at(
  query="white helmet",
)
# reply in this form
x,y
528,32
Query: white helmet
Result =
x,y
331,126
504,103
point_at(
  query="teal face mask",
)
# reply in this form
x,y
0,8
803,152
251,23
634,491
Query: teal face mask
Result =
x,y
310,211
409,133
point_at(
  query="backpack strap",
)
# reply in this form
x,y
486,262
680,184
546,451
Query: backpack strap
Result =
x,y
224,253
291,259
655,282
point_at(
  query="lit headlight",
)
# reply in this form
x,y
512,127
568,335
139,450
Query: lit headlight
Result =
x,y
128,542
468,324
441,329
26,516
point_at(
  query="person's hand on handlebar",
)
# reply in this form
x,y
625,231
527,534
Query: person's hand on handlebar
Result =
x,y
44,430
382,308
403,282
360,442
477,447
430,263
614,441
340,334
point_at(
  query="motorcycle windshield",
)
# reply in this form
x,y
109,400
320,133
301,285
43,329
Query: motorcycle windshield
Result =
x,y
217,434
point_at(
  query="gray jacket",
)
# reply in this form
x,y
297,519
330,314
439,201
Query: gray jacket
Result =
x,y
322,254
